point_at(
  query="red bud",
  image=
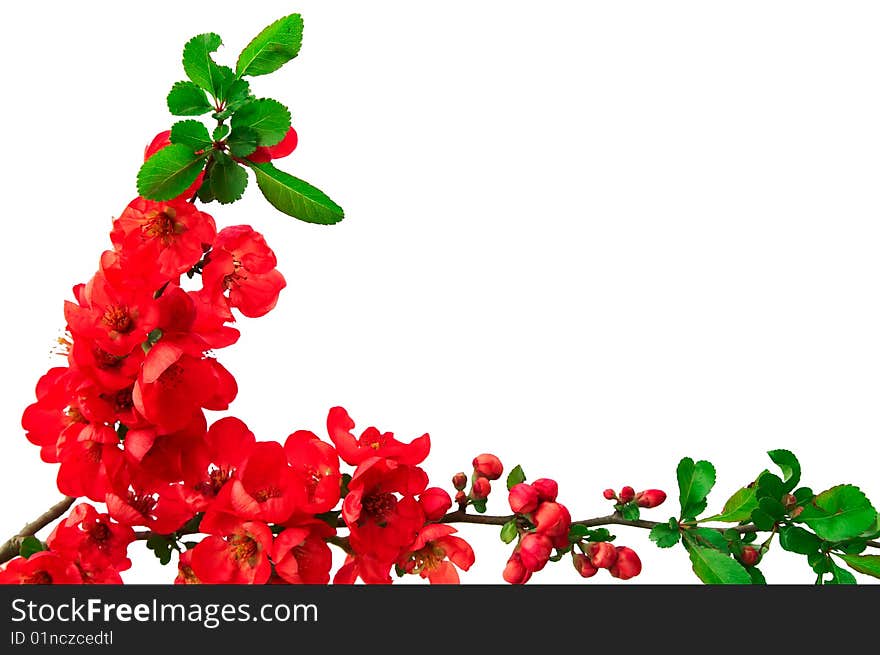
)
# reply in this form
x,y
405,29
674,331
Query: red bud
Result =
x,y
523,498
583,566
609,494
547,489
459,481
515,572
460,498
481,488
650,498
435,503
602,554
628,564
554,521
488,466
749,556
627,494
534,551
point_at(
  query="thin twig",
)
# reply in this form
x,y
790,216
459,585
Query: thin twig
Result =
x,y
10,548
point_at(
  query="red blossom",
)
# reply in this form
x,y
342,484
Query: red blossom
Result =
x,y
92,540
239,556
44,567
372,443
434,552
316,465
435,503
302,556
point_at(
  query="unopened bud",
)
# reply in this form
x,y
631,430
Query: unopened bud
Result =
x,y
435,503
610,494
583,566
459,481
547,489
523,498
534,551
515,572
789,501
480,489
650,498
628,564
461,498
602,554
627,494
749,556
488,466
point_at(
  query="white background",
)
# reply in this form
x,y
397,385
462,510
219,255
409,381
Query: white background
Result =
x,y
591,238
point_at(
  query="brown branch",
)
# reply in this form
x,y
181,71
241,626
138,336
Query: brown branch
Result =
x,y
10,548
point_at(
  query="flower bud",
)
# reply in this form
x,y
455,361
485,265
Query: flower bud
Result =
x,y
534,551
749,556
460,498
609,494
488,466
602,554
584,566
628,564
650,498
789,501
523,498
547,489
435,503
515,572
627,494
480,489
459,481
554,521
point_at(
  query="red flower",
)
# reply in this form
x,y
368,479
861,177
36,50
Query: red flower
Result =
x,y
163,511
224,451
434,552
281,149
185,573
90,466
240,556
92,540
301,555
44,567
316,465
46,419
244,265
372,443
174,232
365,566
156,458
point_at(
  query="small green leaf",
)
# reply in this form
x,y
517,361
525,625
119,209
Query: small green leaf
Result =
x,y
738,507
577,532
664,536
791,468
707,538
867,564
238,93
243,141
762,520
769,486
479,504
272,48
268,118
803,494
839,513
200,67
169,172
220,132
330,518
509,531
187,99
714,567
30,545
630,512
756,575
228,180
840,575
161,546
695,481
515,477
296,197
796,539
191,133
772,507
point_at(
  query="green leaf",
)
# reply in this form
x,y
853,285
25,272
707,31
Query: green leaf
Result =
x,y
695,481
169,172
220,132
191,133
867,564
769,486
738,507
272,48
296,197
630,512
762,520
791,468
840,576
714,567
228,180
707,538
30,545
243,141
600,534
479,505
839,513
756,575
199,65
238,93
268,118
577,532
509,531
796,539
161,547
664,536
772,508
187,99
330,518
803,494
515,477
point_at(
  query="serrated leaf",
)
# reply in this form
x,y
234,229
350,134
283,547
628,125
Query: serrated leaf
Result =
x,y
515,477
220,132
228,180
198,64
839,513
296,197
738,507
243,141
161,547
867,564
509,531
796,539
756,575
191,133
169,172
695,481
630,512
714,567
762,520
707,538
772,507
840,575
577,532
238,93
187,99
272,48
803,494
769,485
664,536
267,117
30,545
791,468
